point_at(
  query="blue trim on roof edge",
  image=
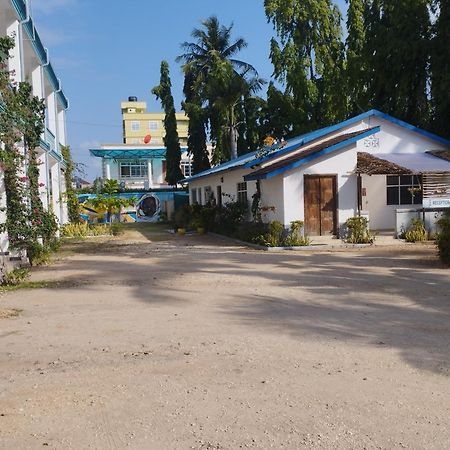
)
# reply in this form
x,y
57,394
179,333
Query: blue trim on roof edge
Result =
x,y
313,156
308,137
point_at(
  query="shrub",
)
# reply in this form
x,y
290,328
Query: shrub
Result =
x,y
82,230
183,216
229,217
15,277
295,238
116,229
443,238
358,231
38,254
416,232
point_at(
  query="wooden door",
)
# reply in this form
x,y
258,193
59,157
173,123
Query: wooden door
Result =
x,y
320,204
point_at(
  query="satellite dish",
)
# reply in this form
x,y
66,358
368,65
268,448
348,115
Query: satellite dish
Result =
x,y
147,139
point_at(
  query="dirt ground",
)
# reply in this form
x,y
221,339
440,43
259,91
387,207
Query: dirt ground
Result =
x,y
195,343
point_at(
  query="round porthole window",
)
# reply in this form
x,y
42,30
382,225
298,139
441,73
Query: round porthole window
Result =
x,y
148,208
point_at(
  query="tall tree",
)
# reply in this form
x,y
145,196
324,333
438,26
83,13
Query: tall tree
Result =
x,y
197,124
163,93
308,59
397,52
440,67
356,63
217,76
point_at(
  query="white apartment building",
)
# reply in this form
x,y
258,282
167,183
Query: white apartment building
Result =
x,y
30,62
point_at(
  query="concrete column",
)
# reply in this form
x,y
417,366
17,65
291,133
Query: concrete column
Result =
x,y
107,169
150,176
16,59
62,127
43,179
37,81
51,112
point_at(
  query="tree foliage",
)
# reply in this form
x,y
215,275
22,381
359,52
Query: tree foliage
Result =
x,y
223,84
73,205
308,59
440,68
21,127
163,93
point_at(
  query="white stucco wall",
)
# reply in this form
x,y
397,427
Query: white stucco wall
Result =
x,y
285,191
381,215
229,185
342,164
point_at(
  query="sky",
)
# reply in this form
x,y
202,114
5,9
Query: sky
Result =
x,y
107,50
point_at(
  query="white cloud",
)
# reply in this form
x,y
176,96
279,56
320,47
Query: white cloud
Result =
x,y
49,6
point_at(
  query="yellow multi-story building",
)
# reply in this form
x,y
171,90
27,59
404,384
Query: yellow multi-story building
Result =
x,y
138,123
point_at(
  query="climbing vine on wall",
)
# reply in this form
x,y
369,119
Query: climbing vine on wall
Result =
x,y
73,205
21,126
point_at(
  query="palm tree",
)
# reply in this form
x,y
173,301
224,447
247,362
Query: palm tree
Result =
x,y
213,42
218,78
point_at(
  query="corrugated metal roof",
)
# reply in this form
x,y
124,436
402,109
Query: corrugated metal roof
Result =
x,y
233,164
416,162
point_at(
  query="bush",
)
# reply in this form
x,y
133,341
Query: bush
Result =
x,y
116,229
358,231
82,230
416,232
230,217
443,238
38,254
273,237
15,277
183,216
295,238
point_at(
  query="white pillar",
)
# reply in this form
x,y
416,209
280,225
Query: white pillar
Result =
x,y
16,59
37,82
43,179
107,170
62,127
51,111
150,176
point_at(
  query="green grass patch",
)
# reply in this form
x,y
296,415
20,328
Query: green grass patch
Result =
x,y
30,285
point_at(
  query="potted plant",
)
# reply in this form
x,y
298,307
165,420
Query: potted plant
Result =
x,y
182,217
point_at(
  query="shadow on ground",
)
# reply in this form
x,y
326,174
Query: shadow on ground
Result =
x,y
396,298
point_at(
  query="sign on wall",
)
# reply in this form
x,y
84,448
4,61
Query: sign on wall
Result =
x,y
437,202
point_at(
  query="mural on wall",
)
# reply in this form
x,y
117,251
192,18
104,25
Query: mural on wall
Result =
x,y
148,208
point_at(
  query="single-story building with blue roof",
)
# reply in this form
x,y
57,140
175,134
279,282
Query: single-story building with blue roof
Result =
x,y
372,164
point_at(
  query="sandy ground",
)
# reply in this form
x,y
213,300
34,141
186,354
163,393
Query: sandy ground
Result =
x,y
193,343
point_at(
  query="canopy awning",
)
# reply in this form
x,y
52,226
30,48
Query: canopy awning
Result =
x,y
129,153
401,163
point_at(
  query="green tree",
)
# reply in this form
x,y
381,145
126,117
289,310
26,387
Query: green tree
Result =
x,y
21,127
398,51
73,205
219,79
277,114
163,92
308,58
440,68
356,69
197,124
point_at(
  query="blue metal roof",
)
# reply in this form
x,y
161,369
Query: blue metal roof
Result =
x,y
122,153
326,148
229,165
250,160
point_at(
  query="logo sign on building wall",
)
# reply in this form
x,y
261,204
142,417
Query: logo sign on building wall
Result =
x,y
438,202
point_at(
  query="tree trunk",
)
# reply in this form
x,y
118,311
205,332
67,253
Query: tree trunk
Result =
x,y
234,139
